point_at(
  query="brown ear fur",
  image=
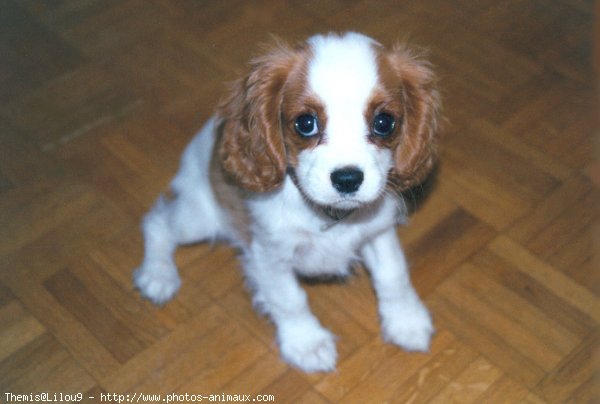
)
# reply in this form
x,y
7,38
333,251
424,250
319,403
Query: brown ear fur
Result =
x,y
416,152
252,150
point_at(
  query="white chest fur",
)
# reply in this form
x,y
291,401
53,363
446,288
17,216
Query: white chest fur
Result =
x,y
299,236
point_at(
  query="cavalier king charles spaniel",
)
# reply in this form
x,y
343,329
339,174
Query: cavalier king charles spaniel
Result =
x,y
302,169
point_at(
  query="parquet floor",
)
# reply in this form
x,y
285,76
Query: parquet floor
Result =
x,y
97,101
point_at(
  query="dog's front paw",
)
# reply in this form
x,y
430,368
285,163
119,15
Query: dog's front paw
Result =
x,y
308,347
409,327
159,283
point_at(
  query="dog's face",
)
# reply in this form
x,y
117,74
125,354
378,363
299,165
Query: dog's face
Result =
x,y
344,117
337,124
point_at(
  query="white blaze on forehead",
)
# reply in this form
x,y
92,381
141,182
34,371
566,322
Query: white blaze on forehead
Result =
x,y
343,72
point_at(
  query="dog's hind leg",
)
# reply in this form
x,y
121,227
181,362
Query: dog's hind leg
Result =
x,y
191,215
157,277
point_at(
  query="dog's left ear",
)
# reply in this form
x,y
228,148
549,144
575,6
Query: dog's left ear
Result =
x,y
416,153
252,150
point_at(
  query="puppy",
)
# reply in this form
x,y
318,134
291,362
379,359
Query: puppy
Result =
x,y
301,168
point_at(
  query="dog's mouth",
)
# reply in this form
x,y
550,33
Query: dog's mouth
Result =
x,y
345,204
338,210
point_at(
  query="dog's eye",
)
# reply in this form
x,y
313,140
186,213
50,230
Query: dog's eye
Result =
x,y
383,124
307,125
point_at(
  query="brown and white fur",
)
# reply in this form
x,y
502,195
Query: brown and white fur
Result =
x,y
301,168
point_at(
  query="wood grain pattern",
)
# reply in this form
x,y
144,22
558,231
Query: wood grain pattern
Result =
x,y
99,98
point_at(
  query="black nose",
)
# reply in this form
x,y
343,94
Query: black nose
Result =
x,y
347,180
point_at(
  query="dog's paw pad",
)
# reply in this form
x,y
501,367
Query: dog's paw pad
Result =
x,y
157,284
312,351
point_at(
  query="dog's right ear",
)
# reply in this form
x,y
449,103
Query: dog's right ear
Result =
x,y
416,153
252,150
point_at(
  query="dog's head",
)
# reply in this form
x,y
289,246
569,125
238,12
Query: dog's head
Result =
x,y
344,116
